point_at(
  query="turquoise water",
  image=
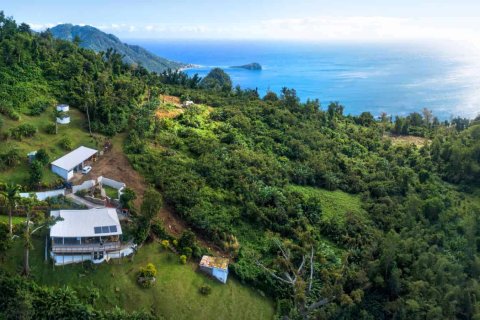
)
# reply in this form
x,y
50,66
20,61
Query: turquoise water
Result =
x,y
392,78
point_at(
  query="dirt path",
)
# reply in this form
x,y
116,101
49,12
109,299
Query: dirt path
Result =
x,y
114,164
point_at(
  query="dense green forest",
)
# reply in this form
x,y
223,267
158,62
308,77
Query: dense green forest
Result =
x,y
320,210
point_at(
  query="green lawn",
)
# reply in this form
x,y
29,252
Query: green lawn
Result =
x,y
15,220
175,295
334,203
111,192
74,130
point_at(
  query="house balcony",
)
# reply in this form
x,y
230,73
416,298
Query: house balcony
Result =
x,y
86,248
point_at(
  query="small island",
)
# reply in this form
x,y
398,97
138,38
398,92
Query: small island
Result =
x,y
250,66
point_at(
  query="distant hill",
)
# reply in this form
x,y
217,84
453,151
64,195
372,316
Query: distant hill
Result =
x,y
92,38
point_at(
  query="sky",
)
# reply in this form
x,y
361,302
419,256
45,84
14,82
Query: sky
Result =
x,y
310,20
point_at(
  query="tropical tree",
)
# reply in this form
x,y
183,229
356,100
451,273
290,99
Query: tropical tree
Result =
x,y
34,222
11,194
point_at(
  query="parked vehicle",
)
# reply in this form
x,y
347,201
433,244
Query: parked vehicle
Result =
x,y
86,169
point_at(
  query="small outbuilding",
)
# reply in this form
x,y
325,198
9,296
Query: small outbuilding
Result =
x,y
188,103
63,107
72,162
31,155
216,267
65,119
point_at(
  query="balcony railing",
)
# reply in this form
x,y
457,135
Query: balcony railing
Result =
x,y
87,247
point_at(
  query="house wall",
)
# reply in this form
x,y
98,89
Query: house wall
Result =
x,y
220,274
67,175
45,194
85,185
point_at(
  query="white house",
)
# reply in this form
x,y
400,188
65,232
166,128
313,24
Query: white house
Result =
x,y
63,107
92,234
216,267
71,162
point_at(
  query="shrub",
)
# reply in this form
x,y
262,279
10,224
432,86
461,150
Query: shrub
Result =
x,y
149,271
146,276
187,251
127,197
42,156
10,158
10,112
66,143
36,173
38,107
165,244
23,130
51,128
183,259
158,229
205,289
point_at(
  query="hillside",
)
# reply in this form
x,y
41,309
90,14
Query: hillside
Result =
x,y
321,212
94,39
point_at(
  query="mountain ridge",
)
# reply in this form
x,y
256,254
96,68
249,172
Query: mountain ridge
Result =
x,y
97,40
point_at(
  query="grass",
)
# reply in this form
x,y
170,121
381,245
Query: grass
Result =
x,y
335,204
75,131
111,192
15,220
175,295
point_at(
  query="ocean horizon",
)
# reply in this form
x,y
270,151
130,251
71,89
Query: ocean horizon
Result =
x,y
396,78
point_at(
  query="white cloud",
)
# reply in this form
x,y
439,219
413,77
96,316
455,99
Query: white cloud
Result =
x,y
310,28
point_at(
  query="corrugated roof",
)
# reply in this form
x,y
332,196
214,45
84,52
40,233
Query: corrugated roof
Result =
x,y
214,262
74,158
82,223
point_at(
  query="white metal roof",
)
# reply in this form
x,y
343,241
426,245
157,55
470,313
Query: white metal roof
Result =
x,y
82,223
74,158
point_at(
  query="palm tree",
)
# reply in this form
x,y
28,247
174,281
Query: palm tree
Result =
x,y
11,195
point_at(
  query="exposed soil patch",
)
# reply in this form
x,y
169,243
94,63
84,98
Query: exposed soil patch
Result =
x,y
175,226
171,99
115,165
170,114
418,141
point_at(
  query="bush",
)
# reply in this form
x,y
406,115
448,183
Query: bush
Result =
x,y
146,276
36,173
38,108
127,197
42,156
205,289
10,112
149,271
183,259
165,244
158,229
23,130
66,143
10,158
51,128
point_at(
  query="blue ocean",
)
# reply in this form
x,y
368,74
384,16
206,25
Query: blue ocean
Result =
x,y
394,78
